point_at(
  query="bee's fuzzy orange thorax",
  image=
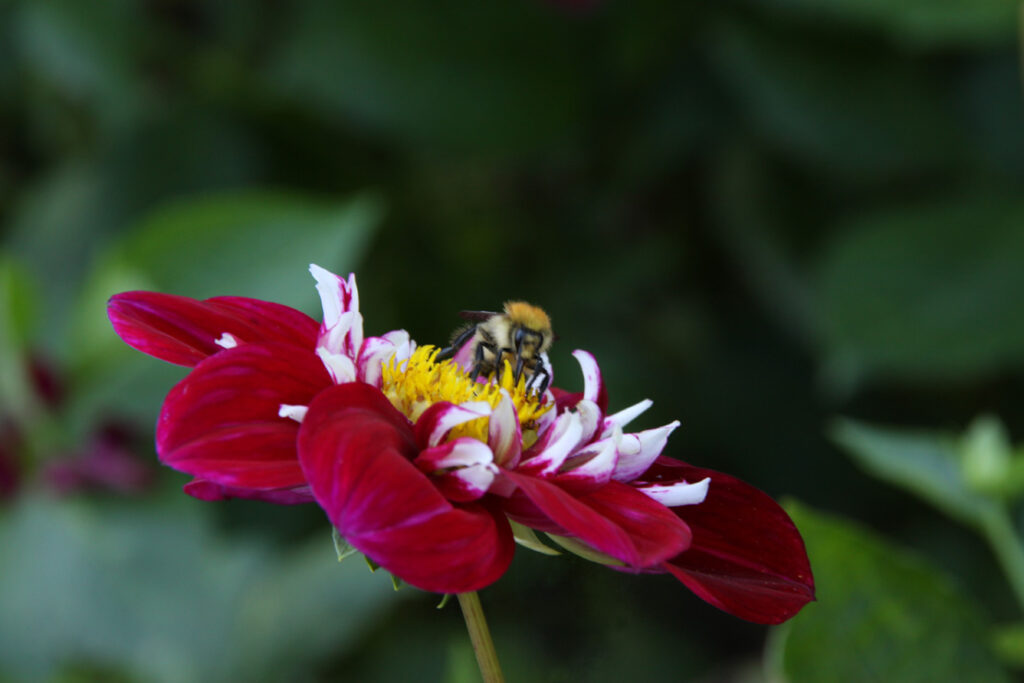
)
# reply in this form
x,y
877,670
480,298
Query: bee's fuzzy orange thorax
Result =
x,y
527,315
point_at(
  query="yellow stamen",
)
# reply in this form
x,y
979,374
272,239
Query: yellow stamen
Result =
x,y
415,384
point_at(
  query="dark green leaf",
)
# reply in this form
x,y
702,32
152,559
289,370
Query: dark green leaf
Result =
x,y
469,76
837,104
919,22
927,291
882,614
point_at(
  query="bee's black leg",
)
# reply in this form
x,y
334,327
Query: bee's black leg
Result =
x,y
478,359
541,372
460,339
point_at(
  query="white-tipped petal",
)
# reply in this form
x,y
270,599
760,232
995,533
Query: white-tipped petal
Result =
x,y
226,341
590,418
627,415
596,462
378,351
292,412
340,367
591,374
563,440
342,328
637,451
455,415
679,494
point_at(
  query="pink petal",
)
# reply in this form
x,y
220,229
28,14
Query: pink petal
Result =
x,y
747,557
356,450
638,451
437,420
222,421
555,445
204,489
377,351
505,434
615,519
591,466
184,331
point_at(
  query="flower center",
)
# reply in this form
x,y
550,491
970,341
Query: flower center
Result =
x,y
415,384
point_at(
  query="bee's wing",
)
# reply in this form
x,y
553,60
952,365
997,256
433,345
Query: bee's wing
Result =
x,y
477,316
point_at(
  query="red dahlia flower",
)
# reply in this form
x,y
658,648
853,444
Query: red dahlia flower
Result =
x,y
435,476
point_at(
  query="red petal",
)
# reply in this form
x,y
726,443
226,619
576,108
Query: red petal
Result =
x,y
181,330
356,450
747,557
221,422
616,519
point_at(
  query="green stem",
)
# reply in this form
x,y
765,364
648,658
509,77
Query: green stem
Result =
x,y
1005,543
480,635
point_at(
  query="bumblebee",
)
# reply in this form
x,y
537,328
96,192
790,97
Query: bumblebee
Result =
x,y
520,334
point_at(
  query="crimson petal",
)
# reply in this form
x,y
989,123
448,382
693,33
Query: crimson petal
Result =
x,y
747,556
616,519
356,451
184,331
221,422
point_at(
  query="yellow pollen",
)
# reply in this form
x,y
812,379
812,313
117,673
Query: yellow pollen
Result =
x,y
415,384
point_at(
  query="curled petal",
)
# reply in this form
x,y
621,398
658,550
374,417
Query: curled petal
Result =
x,y
338,365
557,443
592,465
341,331
222,421
438,420
638,451
463,469
615,519
747,557
590,419
185,331
356,451
505,434
377,351
593,384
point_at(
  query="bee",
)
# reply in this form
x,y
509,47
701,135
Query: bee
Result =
x,y
521,334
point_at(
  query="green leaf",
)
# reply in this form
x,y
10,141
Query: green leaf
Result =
x,y
838,105
927,465
925,23
472,76
157,592
927,291
883,614
88,52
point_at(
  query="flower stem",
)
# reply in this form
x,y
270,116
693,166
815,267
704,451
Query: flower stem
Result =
x,y
480,635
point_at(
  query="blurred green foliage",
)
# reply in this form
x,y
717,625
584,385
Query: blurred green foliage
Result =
x,y
758,213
